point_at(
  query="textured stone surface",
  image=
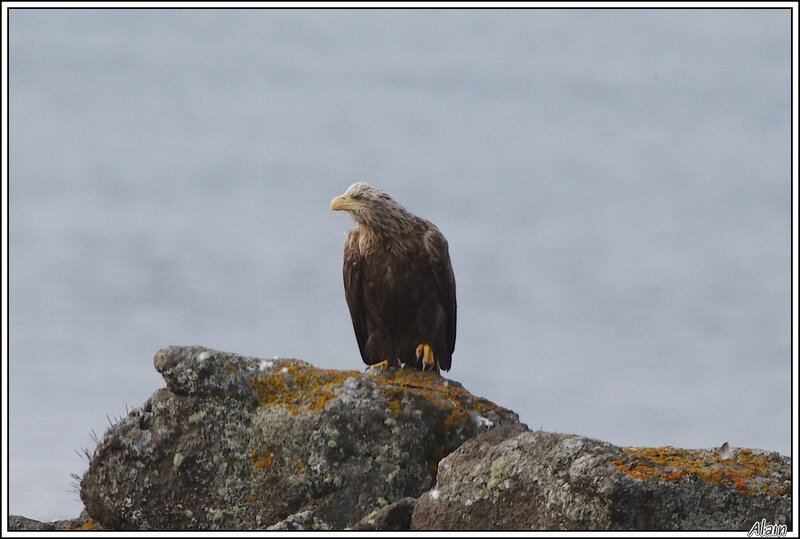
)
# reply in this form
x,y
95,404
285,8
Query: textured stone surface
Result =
x,y
304,520
238,443
242,443
83,522
393,517
513,479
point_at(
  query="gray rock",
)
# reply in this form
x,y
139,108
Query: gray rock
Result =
x,y
83,522
19,523
304,520
241,443
394,517
513,479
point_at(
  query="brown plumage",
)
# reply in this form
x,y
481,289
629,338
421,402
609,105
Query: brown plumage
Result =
x,y
398,282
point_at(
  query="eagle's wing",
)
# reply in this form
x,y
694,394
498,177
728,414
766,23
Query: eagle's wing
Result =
x,y
436,247
354,290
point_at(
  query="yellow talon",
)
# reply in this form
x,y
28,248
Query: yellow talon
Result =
x,y
425,357
385,364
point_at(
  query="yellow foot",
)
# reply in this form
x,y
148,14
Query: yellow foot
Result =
x,y
385,364
425,358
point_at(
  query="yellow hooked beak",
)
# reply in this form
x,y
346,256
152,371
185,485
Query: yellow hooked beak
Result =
x,y
343,202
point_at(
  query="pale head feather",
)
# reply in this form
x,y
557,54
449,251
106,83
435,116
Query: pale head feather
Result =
x,y
382,220
380,212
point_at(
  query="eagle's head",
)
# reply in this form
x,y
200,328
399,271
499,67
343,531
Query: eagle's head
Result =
x,y
372,208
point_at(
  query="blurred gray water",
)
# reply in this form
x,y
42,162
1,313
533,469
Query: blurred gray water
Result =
x,y
614,185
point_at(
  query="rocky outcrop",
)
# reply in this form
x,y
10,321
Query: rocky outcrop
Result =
x,y
515,479
238,443
242,443
83,522
394,517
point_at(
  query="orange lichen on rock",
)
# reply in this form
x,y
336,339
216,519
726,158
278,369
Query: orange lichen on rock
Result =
x,y
296,386
394,407
748,472
638,470
455,401
453,412
673,476
453,404
434,389
261,459
89,525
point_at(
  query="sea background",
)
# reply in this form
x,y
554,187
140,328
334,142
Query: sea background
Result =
x,y
615,186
